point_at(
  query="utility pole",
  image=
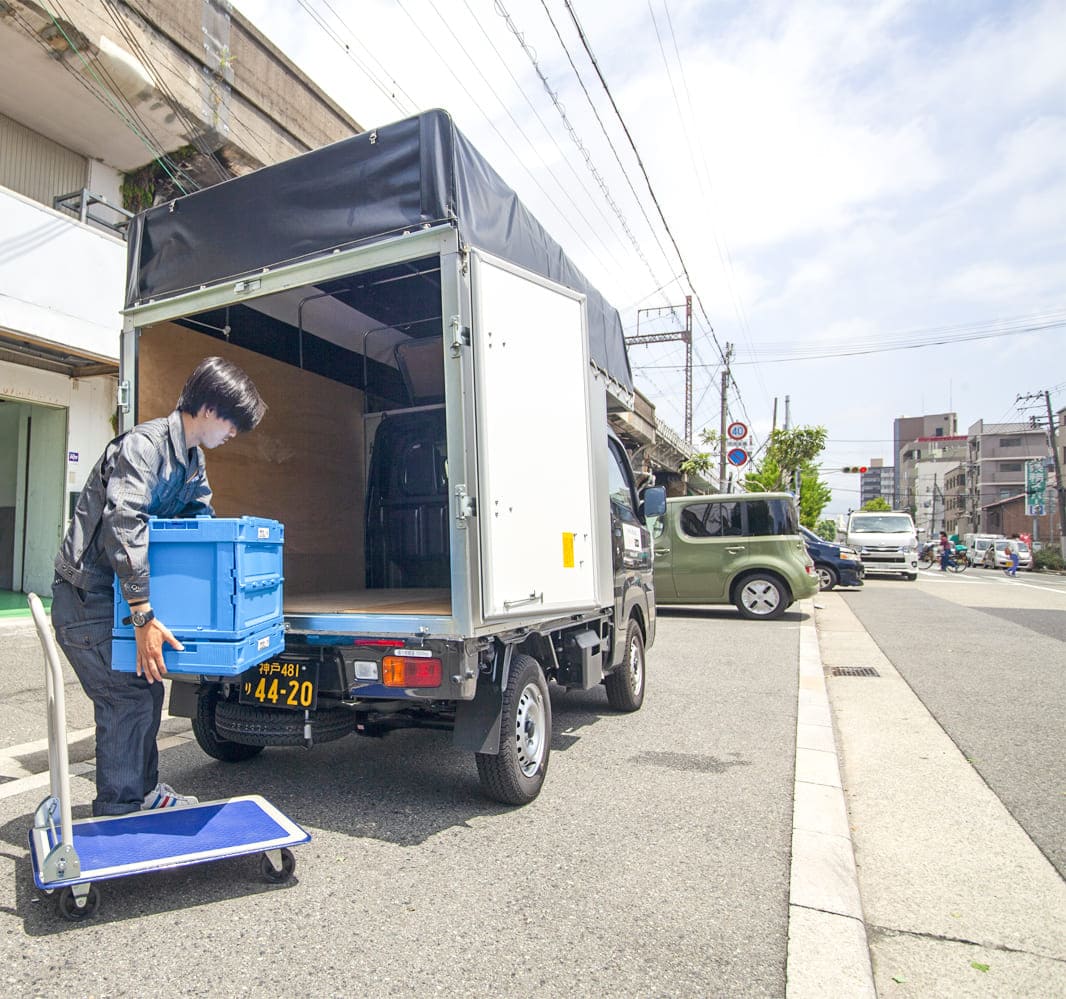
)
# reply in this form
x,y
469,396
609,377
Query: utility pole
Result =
x,y
724,417
1060,486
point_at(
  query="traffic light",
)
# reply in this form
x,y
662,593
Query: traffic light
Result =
x,y
854,468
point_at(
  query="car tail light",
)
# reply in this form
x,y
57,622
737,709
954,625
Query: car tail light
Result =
x,y
402,671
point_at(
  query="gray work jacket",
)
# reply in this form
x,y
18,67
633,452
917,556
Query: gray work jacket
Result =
x,y
148,472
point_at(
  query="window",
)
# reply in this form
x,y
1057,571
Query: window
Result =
x,y
768,517
623,502
1010,466
1010,442
712,520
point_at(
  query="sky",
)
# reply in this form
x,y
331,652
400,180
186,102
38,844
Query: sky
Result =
x,y
826,180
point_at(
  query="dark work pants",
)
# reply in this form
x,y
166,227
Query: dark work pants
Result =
x,y
128,709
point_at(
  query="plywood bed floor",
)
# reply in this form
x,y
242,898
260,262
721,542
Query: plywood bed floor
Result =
x,y
414,601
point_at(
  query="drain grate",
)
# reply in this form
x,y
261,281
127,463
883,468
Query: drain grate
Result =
x,y
855,671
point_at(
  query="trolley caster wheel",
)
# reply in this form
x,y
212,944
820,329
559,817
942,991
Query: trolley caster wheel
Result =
x,y
67,905
273,874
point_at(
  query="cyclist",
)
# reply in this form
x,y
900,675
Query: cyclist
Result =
x,y
945,551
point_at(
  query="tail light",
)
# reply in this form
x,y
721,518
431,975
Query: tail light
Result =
x,y
402,671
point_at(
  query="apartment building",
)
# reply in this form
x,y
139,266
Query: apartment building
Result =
x,y
878,481
996,457
105,110
905,430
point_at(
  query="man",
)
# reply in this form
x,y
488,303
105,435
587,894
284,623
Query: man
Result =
x,y
155,470
945,551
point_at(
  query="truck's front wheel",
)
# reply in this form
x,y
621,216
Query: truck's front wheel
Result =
x,y
203,727
625,686
515,775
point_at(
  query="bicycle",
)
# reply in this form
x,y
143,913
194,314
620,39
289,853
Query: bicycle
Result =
x,y
957,561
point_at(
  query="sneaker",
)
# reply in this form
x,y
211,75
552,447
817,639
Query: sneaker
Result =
x,y
164,796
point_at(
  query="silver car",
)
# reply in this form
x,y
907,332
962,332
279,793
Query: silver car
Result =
x,y
996,556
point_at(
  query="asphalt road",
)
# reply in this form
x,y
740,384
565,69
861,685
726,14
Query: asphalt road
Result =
x,y
654,863
987,657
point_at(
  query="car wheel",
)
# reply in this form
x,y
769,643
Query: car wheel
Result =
x,y
912,576
625,686
827,577
516,773
761,597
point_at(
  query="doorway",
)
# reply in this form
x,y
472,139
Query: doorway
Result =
x,y
32,489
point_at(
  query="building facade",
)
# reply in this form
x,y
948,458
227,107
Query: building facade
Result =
x,y
105,110
906,429
878,481
997,453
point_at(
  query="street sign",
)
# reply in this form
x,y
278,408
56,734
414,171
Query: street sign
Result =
x,y
737,431
1035,487
737,456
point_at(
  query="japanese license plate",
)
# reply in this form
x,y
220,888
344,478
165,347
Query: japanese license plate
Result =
x,y
281,683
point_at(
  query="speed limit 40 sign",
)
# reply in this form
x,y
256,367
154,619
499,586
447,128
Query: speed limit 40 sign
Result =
x,y
737,431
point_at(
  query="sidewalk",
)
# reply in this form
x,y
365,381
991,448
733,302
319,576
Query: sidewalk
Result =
x,y
957,900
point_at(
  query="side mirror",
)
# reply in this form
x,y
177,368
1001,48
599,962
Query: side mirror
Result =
x,y
653,502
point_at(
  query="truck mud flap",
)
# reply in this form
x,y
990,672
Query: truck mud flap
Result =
x,y
477,722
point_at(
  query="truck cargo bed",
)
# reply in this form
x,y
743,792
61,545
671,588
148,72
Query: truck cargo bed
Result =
x,y
393,601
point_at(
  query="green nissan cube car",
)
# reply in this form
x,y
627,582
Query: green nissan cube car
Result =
x,y
741,548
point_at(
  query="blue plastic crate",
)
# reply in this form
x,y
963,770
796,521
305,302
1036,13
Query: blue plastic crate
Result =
x,y
212,577
210,657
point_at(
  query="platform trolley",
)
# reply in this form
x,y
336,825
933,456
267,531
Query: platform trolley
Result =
x,y
68,856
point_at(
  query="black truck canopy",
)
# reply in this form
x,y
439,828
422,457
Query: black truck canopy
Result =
x,y
412,173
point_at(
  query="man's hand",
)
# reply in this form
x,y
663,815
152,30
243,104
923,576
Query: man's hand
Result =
x,y
150,639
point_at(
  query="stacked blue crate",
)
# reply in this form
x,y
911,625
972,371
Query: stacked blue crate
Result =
x,y
216,583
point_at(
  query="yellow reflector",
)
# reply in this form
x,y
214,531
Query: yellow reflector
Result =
x,y
568,550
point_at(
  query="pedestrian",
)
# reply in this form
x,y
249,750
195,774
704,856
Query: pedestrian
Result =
x,y
155,470
1011,551
945,551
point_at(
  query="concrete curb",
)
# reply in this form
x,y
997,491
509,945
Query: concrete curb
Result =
x,y
828,953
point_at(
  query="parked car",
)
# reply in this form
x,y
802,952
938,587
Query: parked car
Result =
x,y
978,545
738,548
996,556
836,565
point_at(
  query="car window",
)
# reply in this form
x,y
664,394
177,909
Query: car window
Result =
x,y
771,517
711,520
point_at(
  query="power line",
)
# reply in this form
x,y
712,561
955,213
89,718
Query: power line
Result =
x,y
936,339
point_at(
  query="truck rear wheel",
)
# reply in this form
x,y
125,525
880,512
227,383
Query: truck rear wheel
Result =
x,y
515,775
625,686
203,727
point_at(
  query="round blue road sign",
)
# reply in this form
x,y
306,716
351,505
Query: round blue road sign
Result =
x,y
737,456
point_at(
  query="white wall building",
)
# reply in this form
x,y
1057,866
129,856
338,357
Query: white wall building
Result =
x,y
166,96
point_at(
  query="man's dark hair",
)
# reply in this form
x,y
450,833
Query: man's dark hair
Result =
x,y
220,385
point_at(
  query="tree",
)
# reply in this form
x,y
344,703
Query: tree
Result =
x,y
701,462
814,495
877,505
766,477
827,529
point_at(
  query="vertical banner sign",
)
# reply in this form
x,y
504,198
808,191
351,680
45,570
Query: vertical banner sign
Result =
x,y
1035,487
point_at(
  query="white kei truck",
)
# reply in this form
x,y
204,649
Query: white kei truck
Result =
x,y
461,526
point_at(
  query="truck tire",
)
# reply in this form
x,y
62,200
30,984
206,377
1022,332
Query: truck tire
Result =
x,y
252,726
625,686
515,775
760,596
203,727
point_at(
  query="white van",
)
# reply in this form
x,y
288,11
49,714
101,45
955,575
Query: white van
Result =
x,y
978,545
886,541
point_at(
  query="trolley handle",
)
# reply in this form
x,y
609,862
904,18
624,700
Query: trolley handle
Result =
x,y
58,759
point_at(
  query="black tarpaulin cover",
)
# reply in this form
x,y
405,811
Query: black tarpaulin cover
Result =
x,y
414,172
